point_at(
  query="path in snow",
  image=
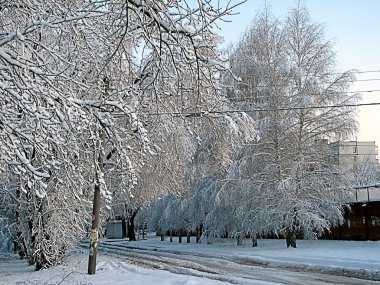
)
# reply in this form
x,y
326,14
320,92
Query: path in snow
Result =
x,y
201,264
110,270
220,268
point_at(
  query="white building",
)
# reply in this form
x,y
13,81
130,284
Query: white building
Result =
x,y
349,154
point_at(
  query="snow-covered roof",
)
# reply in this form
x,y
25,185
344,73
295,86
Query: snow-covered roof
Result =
x,y
367,193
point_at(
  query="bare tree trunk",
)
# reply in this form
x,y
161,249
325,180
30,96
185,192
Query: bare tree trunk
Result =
x,y
18,241
123,227
143,232
239,240
131,226
254,241
208,237
30,239
290,236
41,260
188,237
291,232
199,233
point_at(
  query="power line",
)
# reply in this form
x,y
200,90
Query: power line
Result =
x,y
260,97
369,79
353,71
288,85
364,91
205,113
366,71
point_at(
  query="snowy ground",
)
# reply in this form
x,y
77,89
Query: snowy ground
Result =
x,y
138,263
109,271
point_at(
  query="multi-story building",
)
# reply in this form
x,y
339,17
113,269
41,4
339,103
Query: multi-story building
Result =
x,y
349,154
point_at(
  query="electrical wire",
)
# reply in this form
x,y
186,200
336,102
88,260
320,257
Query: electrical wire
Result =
x,y
260,97
205,113
353,71
369,79
365,71
326,82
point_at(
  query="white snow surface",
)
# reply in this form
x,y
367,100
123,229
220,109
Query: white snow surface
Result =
x,y
110,270
350,258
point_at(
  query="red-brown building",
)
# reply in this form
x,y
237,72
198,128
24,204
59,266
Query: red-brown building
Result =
x,y
362,220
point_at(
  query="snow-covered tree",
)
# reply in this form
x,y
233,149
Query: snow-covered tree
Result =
x,y
298,100
365,172
81,81
198,157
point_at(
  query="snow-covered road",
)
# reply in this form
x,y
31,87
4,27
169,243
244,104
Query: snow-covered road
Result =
x,y
222,267
152,262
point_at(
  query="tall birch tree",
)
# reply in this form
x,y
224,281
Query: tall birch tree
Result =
x,y
300,103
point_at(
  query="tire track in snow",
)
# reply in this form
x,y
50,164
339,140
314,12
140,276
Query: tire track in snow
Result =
x,y
221,268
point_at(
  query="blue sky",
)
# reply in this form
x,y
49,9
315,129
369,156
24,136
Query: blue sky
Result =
x,y
354,27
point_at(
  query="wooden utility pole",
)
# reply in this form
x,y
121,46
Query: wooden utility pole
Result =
x,y
96,202
94,231
95,216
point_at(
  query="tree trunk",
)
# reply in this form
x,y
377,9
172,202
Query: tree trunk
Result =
x,y
94,230
162,237
123,227
41,260
30,239
239,240
254,241
188,237
290,236
131,226
95,217
18,241
208,237
171,236
199,233
143,232
291,232
180,238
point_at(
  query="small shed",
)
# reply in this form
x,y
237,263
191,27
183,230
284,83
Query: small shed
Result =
x,y
116,229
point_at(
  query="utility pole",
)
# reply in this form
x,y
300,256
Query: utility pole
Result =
x,y
95,217
95,213
94,229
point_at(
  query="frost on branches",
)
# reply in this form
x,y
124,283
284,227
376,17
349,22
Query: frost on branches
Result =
x,y
283,180
83,87
292,186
